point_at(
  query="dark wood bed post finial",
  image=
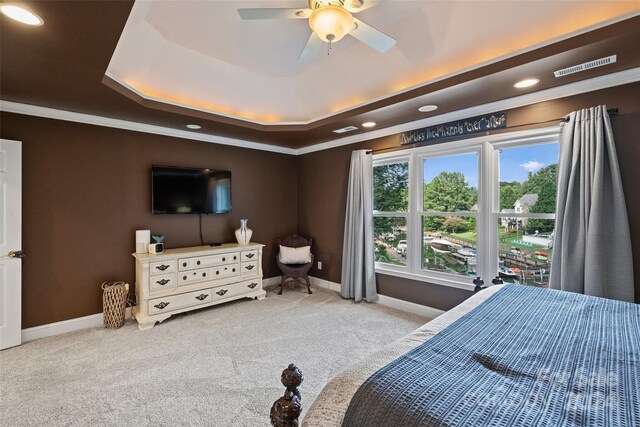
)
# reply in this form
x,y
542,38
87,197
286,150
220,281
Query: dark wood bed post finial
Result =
x,y
286,410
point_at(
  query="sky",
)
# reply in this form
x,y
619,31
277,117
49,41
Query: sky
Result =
x,y
515,163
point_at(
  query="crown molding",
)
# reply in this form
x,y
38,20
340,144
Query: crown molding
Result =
x,y
602,82
52,113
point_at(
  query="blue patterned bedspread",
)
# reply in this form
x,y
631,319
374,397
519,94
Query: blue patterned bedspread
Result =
x,y
525,357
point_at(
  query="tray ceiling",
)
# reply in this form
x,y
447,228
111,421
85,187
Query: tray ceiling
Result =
x,y
201,56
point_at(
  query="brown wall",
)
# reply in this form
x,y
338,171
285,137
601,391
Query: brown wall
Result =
x,y
323,179
86,189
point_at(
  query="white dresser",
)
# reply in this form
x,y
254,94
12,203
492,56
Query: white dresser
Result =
x,y
184,279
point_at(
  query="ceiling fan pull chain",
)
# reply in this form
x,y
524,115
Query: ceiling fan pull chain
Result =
x,y
330,38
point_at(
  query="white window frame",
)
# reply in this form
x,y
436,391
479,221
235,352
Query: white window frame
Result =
x,y
488,149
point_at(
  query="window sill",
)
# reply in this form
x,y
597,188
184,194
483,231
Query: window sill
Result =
x,y
430,278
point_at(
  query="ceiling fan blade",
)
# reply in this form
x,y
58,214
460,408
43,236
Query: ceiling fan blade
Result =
x,y
274,13
372,37
355,6
311,49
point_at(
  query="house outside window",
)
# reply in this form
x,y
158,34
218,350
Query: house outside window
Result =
x,y
483,207
521,205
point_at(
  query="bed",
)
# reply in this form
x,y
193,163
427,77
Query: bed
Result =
x,y
509,355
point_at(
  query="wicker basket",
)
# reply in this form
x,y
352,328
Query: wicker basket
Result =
x,y
114,301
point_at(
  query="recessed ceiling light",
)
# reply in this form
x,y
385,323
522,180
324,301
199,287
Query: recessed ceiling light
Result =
x,y
526,83
192,126
368,124
21,14
427,108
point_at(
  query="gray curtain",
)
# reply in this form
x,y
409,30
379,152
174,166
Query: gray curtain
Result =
x,y
591,245
358,275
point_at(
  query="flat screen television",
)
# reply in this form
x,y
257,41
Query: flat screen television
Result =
x,y
177,190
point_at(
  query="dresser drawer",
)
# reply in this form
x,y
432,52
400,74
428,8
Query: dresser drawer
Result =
x,y
162,267
163,281
207,261
252,285
204,274
175,302
226,291
194,276
249,267
251,255
226,271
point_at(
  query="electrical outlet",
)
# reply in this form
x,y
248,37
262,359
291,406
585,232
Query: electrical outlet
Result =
x,y
319,265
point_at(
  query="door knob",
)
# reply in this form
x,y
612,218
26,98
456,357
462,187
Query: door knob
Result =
x,y
16,254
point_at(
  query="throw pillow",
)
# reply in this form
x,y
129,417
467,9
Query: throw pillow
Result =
x,y
295,255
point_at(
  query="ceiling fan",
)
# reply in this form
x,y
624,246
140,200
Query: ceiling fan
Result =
x,y
330,21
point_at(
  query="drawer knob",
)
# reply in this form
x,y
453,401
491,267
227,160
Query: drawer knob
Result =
x,y
223,259
162,267
252,285
161,305
250,256
204,274
234,270
250,267
198,262
184,277
162,282
201,297
221,292
184,264
217,272
235,257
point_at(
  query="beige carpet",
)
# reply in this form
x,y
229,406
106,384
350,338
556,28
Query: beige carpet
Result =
x,y
218,366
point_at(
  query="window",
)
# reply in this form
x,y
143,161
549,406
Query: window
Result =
x,y
479,207
390,209
526,216
448,216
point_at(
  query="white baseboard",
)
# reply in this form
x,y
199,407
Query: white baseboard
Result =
x,y
326,284
92,321
409,307
398,304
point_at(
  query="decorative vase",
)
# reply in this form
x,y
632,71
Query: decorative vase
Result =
x,y
243,234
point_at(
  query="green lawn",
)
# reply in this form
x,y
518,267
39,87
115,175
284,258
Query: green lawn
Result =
x,y
469,235
505,240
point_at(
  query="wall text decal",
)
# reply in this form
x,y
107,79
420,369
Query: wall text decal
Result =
x,y
459,127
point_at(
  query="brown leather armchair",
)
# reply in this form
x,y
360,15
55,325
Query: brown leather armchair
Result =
x,y
295,271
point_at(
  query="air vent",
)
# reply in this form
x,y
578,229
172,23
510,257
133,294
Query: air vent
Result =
x,y
586,66
347,129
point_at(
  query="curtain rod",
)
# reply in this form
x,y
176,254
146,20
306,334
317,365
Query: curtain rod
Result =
x,y
565,119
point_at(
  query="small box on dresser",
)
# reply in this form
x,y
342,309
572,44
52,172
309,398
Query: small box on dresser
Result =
x,y
184,279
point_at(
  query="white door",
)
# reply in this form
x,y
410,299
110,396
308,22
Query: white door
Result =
x,y
10,243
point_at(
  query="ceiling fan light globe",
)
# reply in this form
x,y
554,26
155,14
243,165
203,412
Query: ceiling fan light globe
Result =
x,y
331,21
